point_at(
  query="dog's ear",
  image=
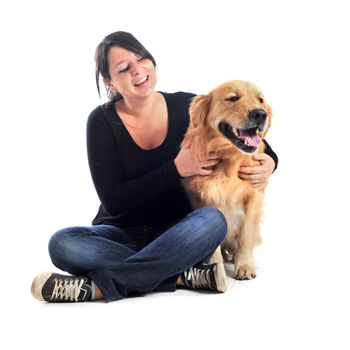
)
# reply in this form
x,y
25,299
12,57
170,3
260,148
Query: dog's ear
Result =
x,y
197,132
269,111
269,117
199,110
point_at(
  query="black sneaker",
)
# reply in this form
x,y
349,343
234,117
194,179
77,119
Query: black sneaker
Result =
x,y
54,287
204,276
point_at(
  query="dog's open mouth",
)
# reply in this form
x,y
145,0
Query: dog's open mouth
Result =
x,y
247,140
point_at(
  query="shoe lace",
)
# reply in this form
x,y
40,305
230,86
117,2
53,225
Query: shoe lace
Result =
x,y
67,289
199,277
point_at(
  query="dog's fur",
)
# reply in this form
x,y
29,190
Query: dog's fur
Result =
x,y
232,104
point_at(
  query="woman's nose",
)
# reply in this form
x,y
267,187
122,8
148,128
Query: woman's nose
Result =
x,y
135,68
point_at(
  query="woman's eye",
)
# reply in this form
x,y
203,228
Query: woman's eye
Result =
x,y
124,70
232,98
140,58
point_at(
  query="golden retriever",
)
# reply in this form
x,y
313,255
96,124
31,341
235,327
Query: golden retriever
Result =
x,y
230,121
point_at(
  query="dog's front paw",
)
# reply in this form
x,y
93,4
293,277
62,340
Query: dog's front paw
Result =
x,y
244,272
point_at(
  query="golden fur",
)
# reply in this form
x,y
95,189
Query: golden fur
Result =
x,y
229,104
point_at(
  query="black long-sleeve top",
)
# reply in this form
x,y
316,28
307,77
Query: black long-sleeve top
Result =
x,y
138,187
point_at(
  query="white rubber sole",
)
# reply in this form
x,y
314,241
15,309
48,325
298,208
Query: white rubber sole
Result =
x,y
37,285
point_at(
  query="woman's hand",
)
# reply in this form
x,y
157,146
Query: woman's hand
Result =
x,y
186,166
258,175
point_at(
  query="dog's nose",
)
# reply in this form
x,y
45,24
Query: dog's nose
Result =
x,y
258,115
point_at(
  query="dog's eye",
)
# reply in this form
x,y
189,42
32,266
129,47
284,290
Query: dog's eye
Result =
x,y
261,100
232,98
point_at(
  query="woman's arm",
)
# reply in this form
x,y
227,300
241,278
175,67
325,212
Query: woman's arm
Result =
x,y
271,153
259,175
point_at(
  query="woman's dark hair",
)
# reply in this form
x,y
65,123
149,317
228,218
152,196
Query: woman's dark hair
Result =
x,y
126,41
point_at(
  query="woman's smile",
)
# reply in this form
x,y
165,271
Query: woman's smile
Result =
x,y
141,83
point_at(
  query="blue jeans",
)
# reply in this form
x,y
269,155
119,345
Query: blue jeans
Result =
x,y
122,262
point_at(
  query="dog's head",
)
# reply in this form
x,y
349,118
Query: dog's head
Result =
x,y
236,110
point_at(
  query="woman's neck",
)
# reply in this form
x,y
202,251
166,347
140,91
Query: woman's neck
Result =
x,y
142,112
140,108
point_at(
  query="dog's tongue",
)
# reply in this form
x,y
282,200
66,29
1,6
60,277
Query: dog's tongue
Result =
x,y
251,137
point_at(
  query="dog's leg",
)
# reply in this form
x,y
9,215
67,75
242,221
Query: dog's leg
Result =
x,y
247,239
217,258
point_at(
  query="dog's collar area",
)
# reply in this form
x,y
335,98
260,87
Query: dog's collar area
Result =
x,y
245,140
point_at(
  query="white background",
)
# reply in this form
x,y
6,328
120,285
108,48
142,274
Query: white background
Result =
x,y
296,51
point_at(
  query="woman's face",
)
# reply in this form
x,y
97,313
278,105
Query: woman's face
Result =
x,y
131,75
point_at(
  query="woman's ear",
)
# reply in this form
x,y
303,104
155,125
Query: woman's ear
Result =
x,y
110,89
199,109
108,84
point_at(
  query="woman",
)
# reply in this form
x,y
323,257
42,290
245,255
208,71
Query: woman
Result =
x,y
145,236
